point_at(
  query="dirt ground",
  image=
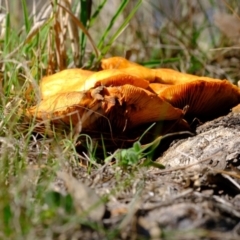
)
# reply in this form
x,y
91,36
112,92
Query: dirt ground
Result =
x,y
196,196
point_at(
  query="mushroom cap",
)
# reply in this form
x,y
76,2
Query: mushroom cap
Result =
x,y
135,106
157,87
113,77
121,96
65,81
69,108
173,77
128,67
71,80
117,63
206,99
123,107
160,75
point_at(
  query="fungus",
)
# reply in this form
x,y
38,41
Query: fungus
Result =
x,y
135,106
126,95
68,108
117,63
160,75
64,81
157,87
128,67
206,99
173,77
124,107
71,80
113,77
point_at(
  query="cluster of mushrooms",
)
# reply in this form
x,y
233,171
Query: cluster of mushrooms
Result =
x,y
125,95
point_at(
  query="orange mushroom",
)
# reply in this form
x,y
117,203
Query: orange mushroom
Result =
x,y
117,63
161,75
126,95
71,80
136,106
128,67
173,77
113,77
64,81
157,87
68,108
206,99
122,107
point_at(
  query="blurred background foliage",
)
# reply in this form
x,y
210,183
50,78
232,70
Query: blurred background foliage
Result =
x,y
198,36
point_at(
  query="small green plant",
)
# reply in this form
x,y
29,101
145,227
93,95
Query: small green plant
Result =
x,y
132,156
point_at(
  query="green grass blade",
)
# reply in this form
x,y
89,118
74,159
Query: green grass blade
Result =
x,y
7,35
96,13
104,148
85,12
112,21
85,15
122,27
157,62
26,16
6,50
